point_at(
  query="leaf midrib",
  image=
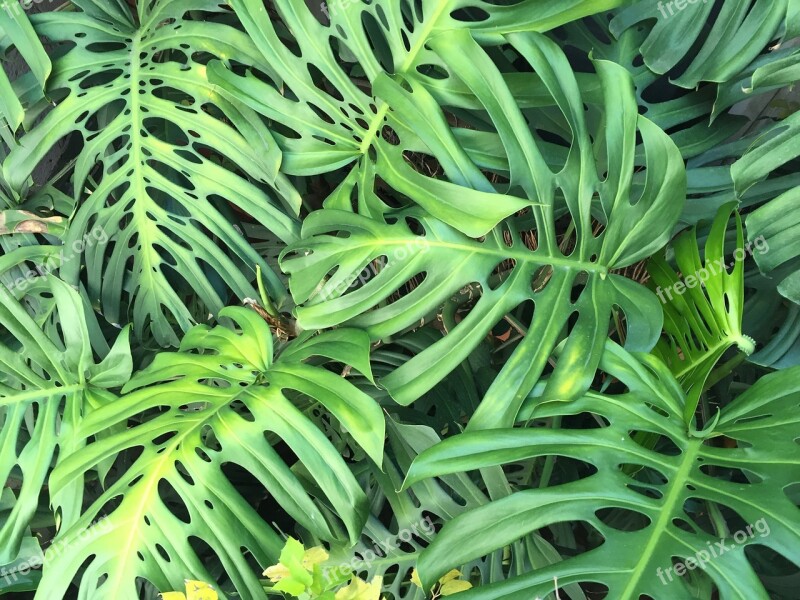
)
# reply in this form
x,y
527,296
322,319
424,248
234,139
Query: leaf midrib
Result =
x,y
140,218
410,59
665,516
156,470
504,253
40,394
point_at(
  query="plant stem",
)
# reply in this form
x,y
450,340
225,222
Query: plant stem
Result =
x,y
725,369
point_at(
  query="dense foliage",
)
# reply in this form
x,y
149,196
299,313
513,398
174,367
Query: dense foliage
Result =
x,y
400,299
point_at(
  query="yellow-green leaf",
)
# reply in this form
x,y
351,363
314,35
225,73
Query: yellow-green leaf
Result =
x,y
314,556
276,572
415,578
361,590
449,576
198,590
454,586
195,590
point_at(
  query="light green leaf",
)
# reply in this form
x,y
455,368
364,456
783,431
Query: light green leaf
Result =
x,y
47,388
635,559
702,307
638,203
159,220
222,399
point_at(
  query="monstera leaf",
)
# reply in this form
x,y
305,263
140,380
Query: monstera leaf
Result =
x,y
336,80
712,500
702,307
30,551
16,31
390,550
223,399
778,68
635,201
684,115
48,385
775,306
165,155
714,40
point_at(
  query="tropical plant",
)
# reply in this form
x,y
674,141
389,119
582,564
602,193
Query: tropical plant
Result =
x,y
399,299
648,517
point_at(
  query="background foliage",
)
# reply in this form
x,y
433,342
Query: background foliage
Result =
x,y
400,299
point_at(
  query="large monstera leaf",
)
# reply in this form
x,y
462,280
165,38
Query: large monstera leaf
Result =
x,y
636,194
335,80
391,549
166,158
48,385
714,496
223,399
713,40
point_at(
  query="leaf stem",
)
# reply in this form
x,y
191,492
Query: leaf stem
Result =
x,y
725,369
550,461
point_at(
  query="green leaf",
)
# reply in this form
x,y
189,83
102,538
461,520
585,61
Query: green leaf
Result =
x,y
775,69
222,399
116,368
16,30
743,465
774,309
682,113
775,225
637,202
48,385
178,157
715,46
773,148
702,306
328,122
299,578
21,574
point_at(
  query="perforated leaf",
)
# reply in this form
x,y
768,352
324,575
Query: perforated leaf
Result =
x,y
167,159
222,399
716,39
334,81
717,498
637,201
48,385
